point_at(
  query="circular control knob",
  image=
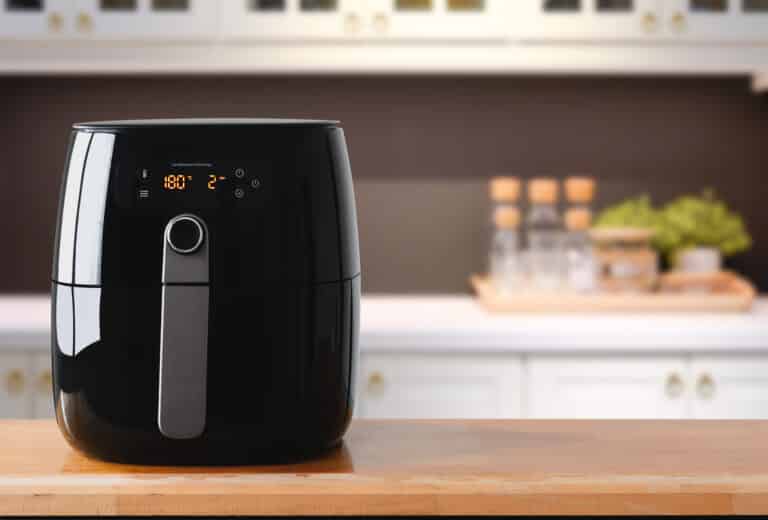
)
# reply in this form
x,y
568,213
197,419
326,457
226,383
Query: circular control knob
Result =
x,y
185,234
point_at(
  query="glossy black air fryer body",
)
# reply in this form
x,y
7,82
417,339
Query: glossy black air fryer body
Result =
x,y
284,287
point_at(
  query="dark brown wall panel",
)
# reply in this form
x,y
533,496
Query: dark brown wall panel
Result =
x,y
422,149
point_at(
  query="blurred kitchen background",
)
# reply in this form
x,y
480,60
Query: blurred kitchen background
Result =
x,y
647,119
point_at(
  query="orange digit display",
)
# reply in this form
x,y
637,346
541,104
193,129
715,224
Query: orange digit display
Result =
x,y
176,182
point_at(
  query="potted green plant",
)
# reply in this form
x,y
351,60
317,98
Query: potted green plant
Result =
x,y
700,230
694,232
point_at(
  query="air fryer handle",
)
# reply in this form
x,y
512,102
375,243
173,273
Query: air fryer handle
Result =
x,y
184,329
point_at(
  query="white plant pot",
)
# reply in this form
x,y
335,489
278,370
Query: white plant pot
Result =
x,y
700,260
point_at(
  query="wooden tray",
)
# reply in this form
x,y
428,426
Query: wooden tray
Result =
x,y
731,293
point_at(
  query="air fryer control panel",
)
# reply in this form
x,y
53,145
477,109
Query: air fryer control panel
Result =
x,y
189,185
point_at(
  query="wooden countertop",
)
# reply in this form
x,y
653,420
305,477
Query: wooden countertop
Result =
x,y
419,468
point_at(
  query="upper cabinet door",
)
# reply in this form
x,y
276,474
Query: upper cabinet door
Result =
x,y
35,19
699,19
364,19
290,19
564,20
152,19
717,20
752,20
439,19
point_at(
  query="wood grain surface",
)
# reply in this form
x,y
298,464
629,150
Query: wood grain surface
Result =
x,y
419,468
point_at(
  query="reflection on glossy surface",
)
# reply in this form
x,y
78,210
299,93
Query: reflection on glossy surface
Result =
x,y
63,262
87,307
63,323
76,305
92,210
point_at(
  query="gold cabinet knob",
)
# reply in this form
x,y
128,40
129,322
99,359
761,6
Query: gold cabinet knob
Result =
x,y
650,21
55,22
84,22
674,386
705,386
15,381
376,382
380,23
678,21
352,23
45,382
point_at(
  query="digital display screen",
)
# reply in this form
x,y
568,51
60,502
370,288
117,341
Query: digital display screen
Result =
x,y
183,182
198,185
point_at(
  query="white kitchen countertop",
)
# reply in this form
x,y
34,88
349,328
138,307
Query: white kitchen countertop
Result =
x,y
458,323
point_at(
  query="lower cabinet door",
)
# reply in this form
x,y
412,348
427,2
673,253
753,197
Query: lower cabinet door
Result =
x,y
607,388
41,387
436,386
15,402
732,387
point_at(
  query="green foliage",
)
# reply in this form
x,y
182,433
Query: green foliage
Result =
x,y
637,212
705,221
688,221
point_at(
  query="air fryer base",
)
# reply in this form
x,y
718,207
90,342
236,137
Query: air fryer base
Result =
x,y
280,373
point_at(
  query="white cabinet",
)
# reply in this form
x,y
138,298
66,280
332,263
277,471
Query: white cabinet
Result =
x,y
371,19
290,19
586,19
701,386
632,20
553,386
15,401
752,20
142,19
41,386
700,19
25,385
109,19
607,387
717,20
388,20
35,19
729,387
440,19
439,386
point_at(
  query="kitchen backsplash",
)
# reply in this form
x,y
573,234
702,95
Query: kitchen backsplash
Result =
x,y
422,150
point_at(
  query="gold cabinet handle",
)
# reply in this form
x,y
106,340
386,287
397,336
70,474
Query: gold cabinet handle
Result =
x,y
650,21
674,386
678,21
55,22
84,22
45,382
376,382
380,23
352,23
15,382
705,386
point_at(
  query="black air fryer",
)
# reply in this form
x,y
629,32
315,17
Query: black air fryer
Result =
x,y
206,287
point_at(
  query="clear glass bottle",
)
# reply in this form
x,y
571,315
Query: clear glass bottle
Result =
x,y
504,258
581,265
544,232
506,269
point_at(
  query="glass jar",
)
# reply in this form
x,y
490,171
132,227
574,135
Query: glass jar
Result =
x,y
627,261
